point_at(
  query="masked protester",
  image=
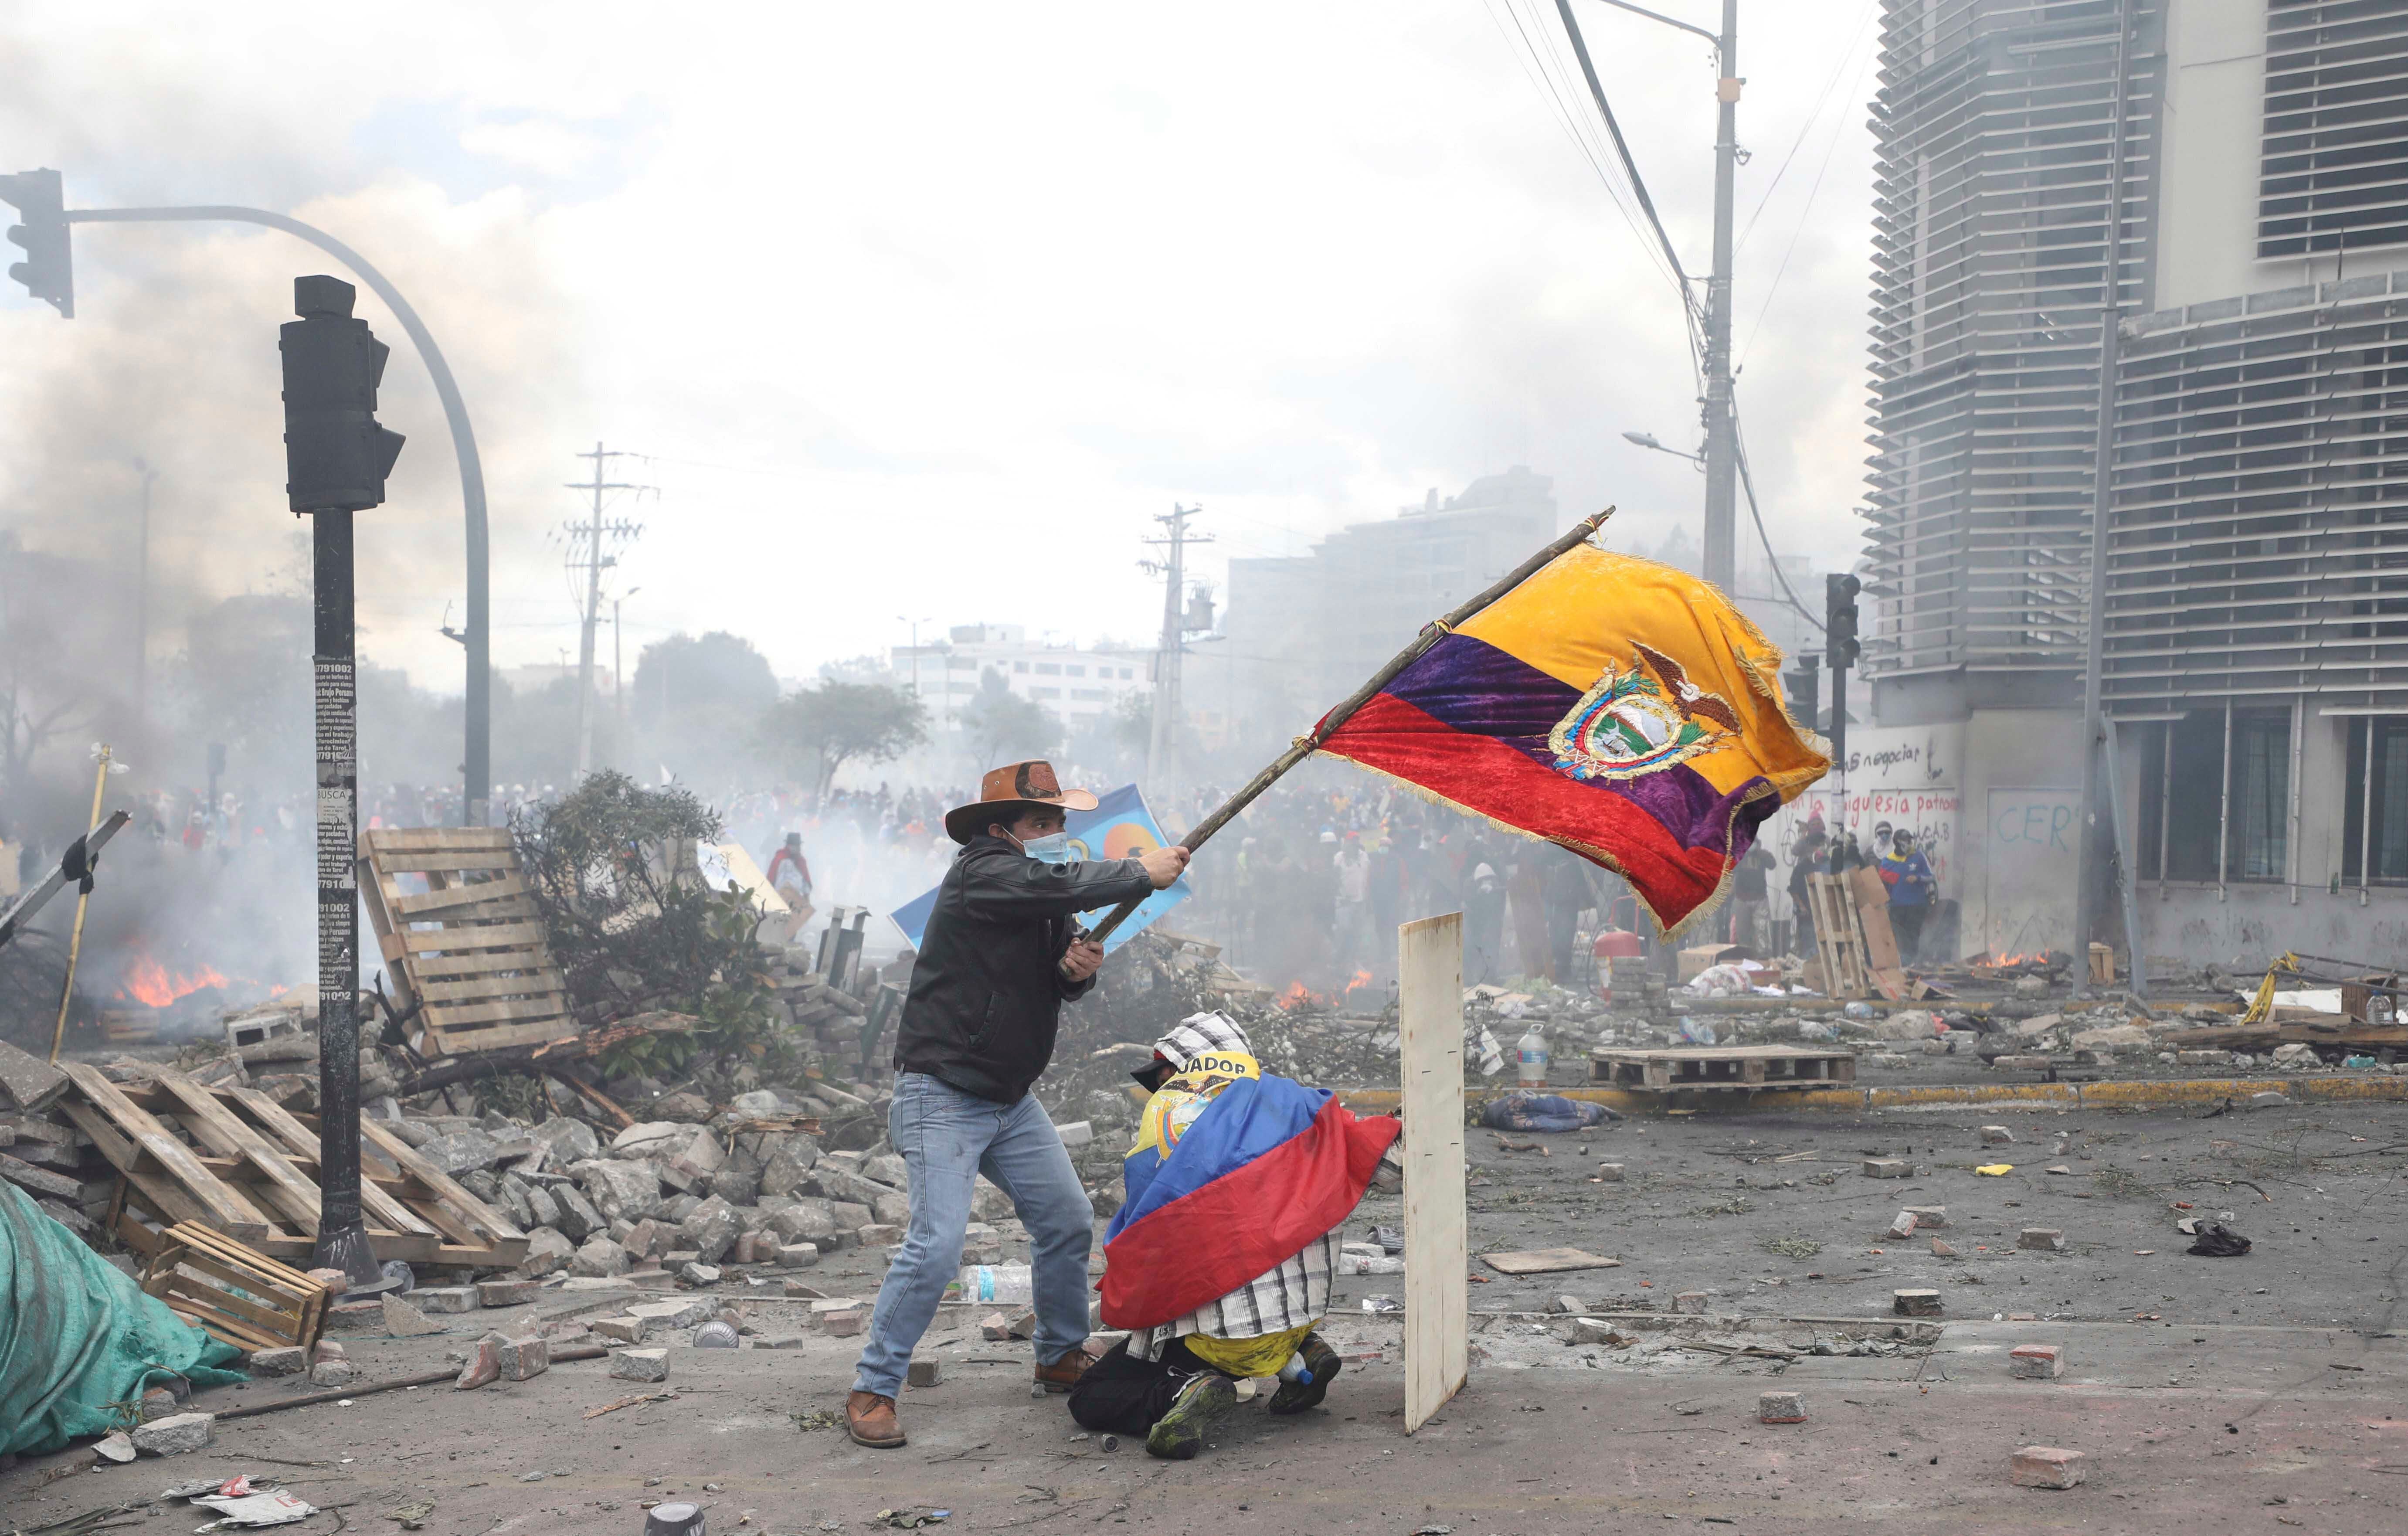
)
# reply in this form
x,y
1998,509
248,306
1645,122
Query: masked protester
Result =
x,y
1179,1237
1000,957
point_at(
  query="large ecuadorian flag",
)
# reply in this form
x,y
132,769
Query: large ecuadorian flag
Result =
x,y
1263,1171
1615,707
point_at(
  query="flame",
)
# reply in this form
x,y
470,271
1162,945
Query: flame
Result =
x,y
2004,961
1297,994
1362,979
154,985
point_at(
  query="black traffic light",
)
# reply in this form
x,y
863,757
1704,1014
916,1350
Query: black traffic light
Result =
x,y
48,270
1805,687
1840,646
336,455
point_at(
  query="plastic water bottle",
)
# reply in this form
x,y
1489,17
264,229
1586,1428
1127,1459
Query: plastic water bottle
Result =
x,y
995,1282
1532,1070
1296,1370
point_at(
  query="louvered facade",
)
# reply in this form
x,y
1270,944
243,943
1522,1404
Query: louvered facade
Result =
x,y
2335,171
1995,123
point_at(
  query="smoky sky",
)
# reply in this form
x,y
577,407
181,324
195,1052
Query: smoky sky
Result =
x,y
916,313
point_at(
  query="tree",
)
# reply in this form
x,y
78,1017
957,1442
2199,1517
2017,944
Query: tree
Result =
x,y
1001,726
814,732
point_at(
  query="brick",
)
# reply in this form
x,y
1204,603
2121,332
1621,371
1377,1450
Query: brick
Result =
x,y
522,1359
1887,1168
995,1328
879,1235
484,1365
1902,1224
1932,1218
452,1298
328,1349
1914,1303
1997,1136
1597,1330
781,1340
1693,1302
625,1330
2046,1239
699,1274
507,1293
2044,1467
288,1361
797,1290
641,1365
176,1434
1610,1172
798,1255
1781,1408
844,1325
680,1313
925,1373
1941,1250
2036,1362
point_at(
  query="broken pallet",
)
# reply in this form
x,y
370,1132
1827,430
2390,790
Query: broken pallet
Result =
x,y
460,937
1721,1067
237,1162
236,1293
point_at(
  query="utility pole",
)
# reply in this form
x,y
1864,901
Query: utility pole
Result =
x,y
1162,746
1722,422
2092,840
142,602
592,561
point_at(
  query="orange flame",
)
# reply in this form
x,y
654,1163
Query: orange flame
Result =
x,y
154,985
1362,979
1297,994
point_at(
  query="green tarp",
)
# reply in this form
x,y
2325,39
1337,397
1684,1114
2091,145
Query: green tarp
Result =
x,y
78,1337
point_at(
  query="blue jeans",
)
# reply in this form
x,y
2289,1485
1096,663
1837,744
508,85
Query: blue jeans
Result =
x,y
948,1138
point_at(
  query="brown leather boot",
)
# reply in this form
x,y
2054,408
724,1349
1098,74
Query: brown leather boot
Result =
x,y
1064,1374
869,1419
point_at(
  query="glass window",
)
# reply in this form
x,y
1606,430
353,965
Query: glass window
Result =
x,y
1020,666
2385,810
1074,671
1045,693
2258,843
1049,669
2197,799
2194,796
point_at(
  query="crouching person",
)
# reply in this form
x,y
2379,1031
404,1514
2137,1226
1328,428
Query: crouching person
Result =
x,y
1221,1259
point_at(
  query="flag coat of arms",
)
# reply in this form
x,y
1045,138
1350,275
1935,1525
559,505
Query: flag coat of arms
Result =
x,y
1615,707
1265,1168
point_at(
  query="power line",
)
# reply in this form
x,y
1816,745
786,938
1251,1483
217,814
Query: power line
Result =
x,y
1804,214
1807,127
1747,480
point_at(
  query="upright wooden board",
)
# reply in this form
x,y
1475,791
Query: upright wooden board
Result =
x,y
468,950
1438,1306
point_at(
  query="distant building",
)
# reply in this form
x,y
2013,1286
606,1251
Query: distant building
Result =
x,y
1302,631
2257,622
1078,685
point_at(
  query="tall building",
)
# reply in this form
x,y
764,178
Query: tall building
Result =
x,y
1079,686
1300,632
2255,633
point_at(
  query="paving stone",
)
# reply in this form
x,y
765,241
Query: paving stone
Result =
x,y
626,1330
1597,1330
2036,1362
699,1274
925,1373
1887,1168
447,1299
2044,1467
641,1365
1914,1303
484,1365
507,1293
290,1361
844,1325
355,1317
781,1340
1902,1224
995,1328
1569,1306
1941,1250
1691,1302
1929,1217
879,1235
328,1349
404,1321
333,1373
1781,1408
176,1435
599,1260
798,1255
1610,1172
521,1359
1078,1133
681,1312
2046,1239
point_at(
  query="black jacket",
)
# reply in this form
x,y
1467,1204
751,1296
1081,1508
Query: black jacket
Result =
x,y
985,994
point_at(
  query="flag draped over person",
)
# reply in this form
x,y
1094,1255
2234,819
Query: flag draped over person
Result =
x,y
1612,706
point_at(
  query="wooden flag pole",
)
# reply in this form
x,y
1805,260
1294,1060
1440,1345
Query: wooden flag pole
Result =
x,y
1306,745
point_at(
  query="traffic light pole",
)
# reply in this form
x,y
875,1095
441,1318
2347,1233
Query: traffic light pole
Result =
x,y
477,765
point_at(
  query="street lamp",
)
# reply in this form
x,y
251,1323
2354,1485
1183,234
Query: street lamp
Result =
x,y
1647,439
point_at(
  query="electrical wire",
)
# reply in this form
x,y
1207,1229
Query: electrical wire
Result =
x,y
1804,214
1822,103
1747,480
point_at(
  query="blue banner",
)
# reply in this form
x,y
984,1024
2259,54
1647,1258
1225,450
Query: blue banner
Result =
x,y
1120,827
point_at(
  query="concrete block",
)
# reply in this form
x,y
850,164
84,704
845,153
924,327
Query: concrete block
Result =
x,y
333,1373
1597,1330
781,1340
1569,1306
1610,1172
404,1321
2036,1362
879,1235
507,1293
2044,1467
176,1434
522,1359
625,1330
798,1255
925,1373
290,1361
1078,1133
1691,1302
1887,1168
1928,1218
2046,1239
1914,1303
679,1312
845,1324
995,1328
328,1349
1901,1226
1781,1408
446,1298
641,1365
351,1317
699,1274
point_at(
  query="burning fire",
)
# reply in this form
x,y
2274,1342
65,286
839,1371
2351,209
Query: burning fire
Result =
x,y
154,985
1297,994
1362,979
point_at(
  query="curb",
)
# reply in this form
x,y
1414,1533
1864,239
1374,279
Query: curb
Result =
x,y
2130,1095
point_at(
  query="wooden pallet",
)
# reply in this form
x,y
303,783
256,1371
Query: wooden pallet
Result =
x,y
462,940
1839,936
1721,1067
237,1162
236,1294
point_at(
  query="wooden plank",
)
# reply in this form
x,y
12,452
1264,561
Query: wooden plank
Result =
x,y
388,934
405,861
498,1037
413,909
1547,1261
230,1211
521,936
481,1217
501,1011
433,968
1438,1320
534,980
217,1127
412,838
214,1241
374,1201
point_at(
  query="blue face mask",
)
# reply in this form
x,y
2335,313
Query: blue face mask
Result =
x,y
1053,848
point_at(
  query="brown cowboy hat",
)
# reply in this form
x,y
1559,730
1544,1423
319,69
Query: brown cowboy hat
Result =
x,y
1005,790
